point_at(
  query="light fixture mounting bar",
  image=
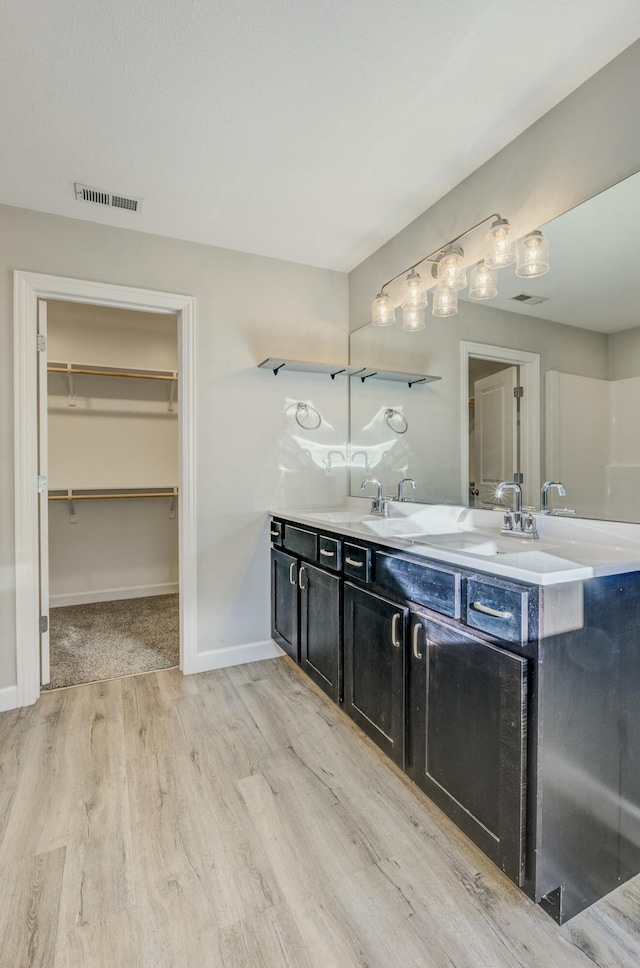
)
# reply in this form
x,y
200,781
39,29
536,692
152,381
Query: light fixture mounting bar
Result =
x,y
431,256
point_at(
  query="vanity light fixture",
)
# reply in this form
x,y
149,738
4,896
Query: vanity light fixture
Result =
x,y
447,266
484,282
533,256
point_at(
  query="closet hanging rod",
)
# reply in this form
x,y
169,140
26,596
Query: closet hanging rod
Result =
x,y
72,496
171,377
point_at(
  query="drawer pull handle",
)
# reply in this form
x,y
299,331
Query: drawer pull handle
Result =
x,y
275,534
292,578
487,610
394,630
327,554
354,563
416,632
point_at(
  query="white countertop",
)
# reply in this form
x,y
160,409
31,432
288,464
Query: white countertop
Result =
x,y
568,550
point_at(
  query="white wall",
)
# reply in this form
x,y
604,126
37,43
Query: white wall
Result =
x,y
119,433
250,453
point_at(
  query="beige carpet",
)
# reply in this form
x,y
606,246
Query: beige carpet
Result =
x,y
108,639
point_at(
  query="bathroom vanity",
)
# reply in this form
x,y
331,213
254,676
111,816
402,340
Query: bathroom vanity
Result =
x,y
502,675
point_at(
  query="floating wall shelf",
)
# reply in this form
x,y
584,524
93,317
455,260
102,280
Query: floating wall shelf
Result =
x,y
334,369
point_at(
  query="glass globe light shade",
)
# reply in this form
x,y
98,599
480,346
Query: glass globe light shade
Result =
x,y
451,272
413,319
502,249
445,301
382,310
414,296
484,282
533,256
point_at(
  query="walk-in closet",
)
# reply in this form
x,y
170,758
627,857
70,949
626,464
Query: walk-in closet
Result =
x,y
109,442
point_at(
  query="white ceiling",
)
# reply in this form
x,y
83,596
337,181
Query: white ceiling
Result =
x,y
309,130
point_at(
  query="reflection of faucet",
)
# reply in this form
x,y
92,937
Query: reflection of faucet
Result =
x,y
328,465
515,523
400,495
546,487
364,454
380,504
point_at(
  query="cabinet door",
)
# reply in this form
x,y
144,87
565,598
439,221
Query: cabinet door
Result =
x,y
284,603
468,723
320,651
374,647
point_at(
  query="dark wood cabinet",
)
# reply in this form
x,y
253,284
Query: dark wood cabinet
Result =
x,y
284,603
468,735
321,628
374,667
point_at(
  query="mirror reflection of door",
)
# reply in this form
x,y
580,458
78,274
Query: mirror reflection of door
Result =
x,y
494,445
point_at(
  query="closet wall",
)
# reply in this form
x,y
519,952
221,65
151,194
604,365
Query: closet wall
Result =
x,y
114,434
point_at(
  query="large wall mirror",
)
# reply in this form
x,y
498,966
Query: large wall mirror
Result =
x,y
570,339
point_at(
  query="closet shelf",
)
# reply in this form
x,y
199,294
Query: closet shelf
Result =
x,y
86,495
71,370
334,369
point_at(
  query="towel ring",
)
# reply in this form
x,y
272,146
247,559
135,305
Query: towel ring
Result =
x,y
305,412
390,415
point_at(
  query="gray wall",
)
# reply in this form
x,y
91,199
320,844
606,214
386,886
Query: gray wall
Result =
x,y
624,354
250,454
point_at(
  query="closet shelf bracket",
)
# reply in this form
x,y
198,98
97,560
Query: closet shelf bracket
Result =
x,y
72,508
72,389
172,393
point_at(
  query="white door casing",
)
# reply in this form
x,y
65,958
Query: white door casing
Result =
x,y
530,414
495,431
43,491
29,288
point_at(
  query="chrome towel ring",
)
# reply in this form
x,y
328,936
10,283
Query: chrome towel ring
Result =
x,y
307,417
396,421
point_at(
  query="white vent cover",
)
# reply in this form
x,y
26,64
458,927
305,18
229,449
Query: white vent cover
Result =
x,y
97,196
530,300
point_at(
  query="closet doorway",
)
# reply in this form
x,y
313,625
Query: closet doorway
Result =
x,y
109,451
31,292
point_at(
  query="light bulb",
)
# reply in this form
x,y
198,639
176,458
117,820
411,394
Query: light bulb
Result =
x,y
382,310
502,249
413,319
451,272
445,301
484,282
533,256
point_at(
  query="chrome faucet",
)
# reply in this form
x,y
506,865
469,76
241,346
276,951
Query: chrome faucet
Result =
x,y
405,480
546,487
515,522
380,504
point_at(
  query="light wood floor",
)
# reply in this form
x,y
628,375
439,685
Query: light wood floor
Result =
x,y
236,819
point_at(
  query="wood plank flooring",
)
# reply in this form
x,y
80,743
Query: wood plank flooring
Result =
x,y
237,819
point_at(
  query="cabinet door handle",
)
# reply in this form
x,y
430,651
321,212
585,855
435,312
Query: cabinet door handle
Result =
x,y
301,572
354,563
394,630
487,610
275,534
292,577
416,632
327,554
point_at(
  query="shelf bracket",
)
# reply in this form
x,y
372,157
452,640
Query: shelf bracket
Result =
x,y
172,507
411,382
277,369
337,373
72,389
73,518
368,375
172,393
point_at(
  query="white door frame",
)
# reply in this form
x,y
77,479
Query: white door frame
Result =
x,y
29,287
529,364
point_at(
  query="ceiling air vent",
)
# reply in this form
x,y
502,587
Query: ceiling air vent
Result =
x,y
530,300
97,196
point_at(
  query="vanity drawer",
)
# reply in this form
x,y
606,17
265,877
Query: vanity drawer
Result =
x,y
277,529
357,562
301,542
330,553
499,609
437,588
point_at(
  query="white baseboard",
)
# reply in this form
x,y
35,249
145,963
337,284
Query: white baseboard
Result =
x,y
236,655
112,594
8,698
